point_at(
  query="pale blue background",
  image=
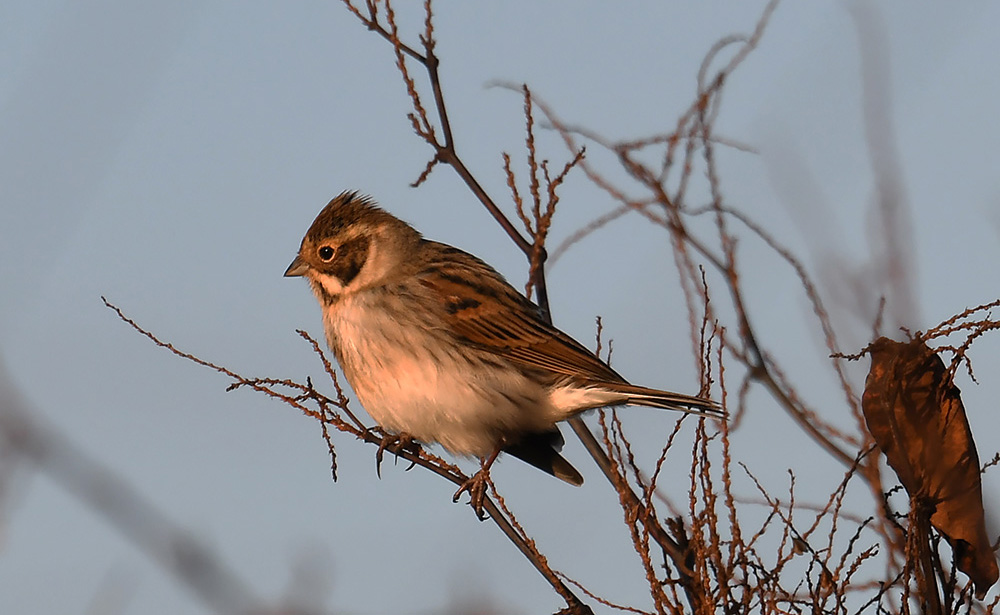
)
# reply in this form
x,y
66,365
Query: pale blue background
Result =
x,y
170,156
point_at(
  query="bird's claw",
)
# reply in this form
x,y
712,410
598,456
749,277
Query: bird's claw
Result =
x,y
402,442
476,488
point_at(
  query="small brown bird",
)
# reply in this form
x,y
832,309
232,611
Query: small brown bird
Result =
x,y
438,346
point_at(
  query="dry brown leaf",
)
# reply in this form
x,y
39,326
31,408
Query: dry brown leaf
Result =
x,y
915,413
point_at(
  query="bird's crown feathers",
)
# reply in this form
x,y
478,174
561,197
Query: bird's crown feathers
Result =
x,y
351,210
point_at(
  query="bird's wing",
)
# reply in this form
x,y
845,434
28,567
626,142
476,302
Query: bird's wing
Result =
x,y
482,309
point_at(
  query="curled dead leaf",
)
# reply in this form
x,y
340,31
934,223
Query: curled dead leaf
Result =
x,y
915,414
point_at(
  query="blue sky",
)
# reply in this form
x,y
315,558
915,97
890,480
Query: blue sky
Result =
x,y
170,157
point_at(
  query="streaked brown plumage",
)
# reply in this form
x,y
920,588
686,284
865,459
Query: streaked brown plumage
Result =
x,y
437,345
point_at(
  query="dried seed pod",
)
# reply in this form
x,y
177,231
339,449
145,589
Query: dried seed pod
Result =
x,y
915,413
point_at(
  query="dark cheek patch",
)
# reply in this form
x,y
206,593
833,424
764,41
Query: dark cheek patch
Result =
x,y
349,260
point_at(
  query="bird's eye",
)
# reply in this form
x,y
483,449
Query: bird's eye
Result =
x,y
326,253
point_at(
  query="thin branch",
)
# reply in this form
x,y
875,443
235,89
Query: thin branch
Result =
x,y
418,457
175,550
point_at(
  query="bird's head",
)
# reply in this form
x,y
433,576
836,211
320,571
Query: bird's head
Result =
x,y
352,245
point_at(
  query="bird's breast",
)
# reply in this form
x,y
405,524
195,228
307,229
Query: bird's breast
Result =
x,y
411,375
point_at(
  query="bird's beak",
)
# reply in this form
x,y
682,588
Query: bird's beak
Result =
x,y
297,268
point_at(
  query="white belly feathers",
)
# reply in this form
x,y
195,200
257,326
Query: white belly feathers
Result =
x,y
413,379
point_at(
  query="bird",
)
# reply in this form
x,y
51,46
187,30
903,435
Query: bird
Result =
x,y
439,347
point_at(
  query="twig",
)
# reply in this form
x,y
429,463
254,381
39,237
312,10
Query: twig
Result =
x,y
419,457
175,550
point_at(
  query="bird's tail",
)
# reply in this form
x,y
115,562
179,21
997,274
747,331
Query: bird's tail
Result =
x,y
655,398
542,451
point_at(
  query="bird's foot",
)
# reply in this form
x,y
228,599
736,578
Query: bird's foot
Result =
x,y
400,442
476,486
